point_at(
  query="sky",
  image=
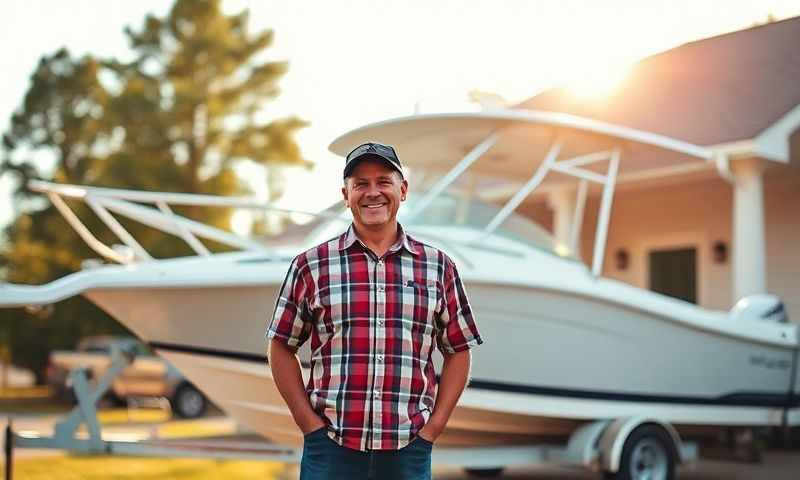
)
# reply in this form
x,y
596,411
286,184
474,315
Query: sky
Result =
x,y
360,61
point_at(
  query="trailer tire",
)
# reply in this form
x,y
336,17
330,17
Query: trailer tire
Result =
x,y
188,402
484,472
648,452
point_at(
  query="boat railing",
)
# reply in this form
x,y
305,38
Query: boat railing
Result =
x,y
133,204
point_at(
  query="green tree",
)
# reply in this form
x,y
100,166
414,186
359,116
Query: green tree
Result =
x,y
178,117
60,119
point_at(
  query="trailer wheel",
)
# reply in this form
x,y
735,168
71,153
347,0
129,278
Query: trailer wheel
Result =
x,y
648,454
188,402
484,472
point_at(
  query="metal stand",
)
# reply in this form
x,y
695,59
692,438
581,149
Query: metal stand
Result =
x,y
85,412
9,450
66,435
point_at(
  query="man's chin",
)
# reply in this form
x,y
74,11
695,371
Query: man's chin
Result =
x,y
374,222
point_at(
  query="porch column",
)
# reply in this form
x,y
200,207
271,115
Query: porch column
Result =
x,y
749,249
562,202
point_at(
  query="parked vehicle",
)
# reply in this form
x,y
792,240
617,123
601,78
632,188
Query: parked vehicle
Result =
x,y
146,376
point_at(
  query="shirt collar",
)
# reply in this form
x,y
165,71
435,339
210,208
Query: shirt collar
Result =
x,y
349,238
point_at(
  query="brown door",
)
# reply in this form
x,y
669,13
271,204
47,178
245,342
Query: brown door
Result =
x,y
674,273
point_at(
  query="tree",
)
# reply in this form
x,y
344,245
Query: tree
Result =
x,y
176,118
200,66
61,118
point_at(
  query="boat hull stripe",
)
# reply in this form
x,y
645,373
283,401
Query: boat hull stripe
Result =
x,y
736,399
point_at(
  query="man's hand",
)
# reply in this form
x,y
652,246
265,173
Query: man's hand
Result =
x,y
313,424
431,431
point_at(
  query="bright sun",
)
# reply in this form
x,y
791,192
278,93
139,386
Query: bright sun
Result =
x,y
598,83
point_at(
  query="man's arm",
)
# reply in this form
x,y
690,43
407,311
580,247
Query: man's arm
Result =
x,y
455,374
288,378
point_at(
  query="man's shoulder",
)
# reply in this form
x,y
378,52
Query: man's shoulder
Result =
x,y
427,250
321,250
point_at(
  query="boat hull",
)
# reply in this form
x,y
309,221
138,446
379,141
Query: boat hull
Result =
x,y
551,362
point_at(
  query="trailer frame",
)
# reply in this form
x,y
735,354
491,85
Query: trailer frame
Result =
x,y
596,446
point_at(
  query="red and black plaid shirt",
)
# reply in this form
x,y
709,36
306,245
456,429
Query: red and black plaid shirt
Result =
x,y
373,323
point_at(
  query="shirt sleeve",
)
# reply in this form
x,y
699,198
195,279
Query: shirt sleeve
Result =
x,y
291,319
457,330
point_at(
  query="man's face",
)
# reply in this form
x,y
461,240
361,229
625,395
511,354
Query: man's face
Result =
x,y
373,193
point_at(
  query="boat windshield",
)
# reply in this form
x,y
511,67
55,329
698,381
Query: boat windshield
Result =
x,y
450,209
456,210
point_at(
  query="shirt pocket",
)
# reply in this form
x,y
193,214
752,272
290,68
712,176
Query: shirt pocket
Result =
x,y
419,306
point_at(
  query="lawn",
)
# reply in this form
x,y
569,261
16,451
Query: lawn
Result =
x,y
25,393
30,401
121,468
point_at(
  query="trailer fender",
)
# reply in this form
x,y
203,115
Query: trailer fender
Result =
x,y
614,437
582,447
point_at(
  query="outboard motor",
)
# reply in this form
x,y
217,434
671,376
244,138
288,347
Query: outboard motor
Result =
x,y
761,306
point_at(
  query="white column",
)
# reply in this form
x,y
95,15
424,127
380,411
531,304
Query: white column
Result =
x,y
562,202
749,249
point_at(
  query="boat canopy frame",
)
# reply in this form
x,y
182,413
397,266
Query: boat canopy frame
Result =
x,y
128,203
573,167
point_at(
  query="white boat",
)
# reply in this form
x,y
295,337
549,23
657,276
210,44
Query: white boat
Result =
x,y
564,346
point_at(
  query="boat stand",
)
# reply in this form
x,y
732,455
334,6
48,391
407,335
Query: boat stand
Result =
x,y
68,438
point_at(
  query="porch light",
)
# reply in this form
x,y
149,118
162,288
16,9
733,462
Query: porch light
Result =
x,y
621,259
720,251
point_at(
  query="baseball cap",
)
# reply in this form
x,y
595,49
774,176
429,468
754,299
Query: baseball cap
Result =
x,y
374,150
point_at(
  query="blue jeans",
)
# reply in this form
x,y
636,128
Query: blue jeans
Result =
x,y
324,459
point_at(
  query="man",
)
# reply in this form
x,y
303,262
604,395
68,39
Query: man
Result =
x,y
374,302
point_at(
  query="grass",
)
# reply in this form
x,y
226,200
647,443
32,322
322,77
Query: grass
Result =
x,y
88,467
107,416
138,415
39,401
188,429
26,393
30,401
31,407
121,468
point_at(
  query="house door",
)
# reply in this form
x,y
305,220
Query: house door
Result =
x,y
674,273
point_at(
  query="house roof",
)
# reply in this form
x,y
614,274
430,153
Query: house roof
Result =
x,y
717,90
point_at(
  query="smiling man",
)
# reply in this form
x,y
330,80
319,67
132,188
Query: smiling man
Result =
x,y
374,302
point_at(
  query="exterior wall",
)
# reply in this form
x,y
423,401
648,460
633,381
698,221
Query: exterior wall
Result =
x,y
694,215
782,209
697,214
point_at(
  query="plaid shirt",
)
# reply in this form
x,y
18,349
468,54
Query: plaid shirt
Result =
x,y
373,323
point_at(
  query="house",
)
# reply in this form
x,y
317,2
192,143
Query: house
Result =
x,y
708,232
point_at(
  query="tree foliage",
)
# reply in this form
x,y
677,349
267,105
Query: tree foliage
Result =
x,y
177,117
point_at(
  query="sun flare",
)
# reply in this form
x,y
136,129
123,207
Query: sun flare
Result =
x,y
599,83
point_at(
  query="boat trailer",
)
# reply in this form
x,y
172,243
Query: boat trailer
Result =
x,y
601,446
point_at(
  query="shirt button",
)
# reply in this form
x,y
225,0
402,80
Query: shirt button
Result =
x,y
380,358
380,289
380,323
